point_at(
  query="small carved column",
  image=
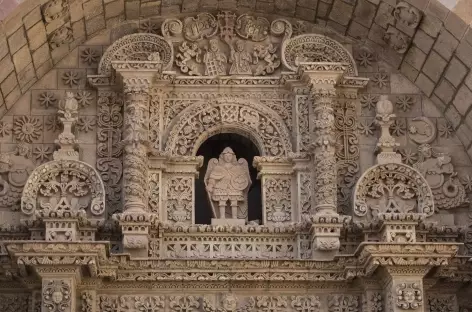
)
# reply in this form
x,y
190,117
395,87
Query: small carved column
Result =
x,y
135,219
324,150
321,79
135,142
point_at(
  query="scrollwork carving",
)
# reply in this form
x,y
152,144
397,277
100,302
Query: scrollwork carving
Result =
x,y
277,195
56,295
179,198
409,296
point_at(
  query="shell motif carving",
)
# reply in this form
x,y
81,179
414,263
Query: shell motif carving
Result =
x,y
136,47
392,188
63,188
316,48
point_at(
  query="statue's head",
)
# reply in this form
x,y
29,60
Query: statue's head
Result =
x,y
214,45
228,155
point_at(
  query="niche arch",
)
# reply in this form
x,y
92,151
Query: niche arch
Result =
x,y
201,120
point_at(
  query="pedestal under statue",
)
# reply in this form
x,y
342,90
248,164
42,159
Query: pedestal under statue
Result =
x,y
227,182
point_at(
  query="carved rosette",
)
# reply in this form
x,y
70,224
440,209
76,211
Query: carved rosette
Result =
x,y
324,151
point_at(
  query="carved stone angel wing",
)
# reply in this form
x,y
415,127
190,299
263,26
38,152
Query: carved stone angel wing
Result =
x,y
211,165
243,162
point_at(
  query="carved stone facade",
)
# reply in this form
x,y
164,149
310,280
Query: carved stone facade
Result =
x,y
360,185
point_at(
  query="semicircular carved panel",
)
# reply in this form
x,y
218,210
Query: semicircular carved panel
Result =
x,y
200,121
392,188
136,47
65,188
316,48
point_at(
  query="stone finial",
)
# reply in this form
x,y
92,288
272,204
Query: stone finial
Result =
x,y
384,118
67,141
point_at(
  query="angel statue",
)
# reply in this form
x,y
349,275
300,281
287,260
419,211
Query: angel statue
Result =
x,y
227,181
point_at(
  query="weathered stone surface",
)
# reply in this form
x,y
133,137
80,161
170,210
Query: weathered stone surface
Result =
x,y
463,100
415,57
114,8
95,24
431,25
9,84
455,25
22,58
364,13
305,13
434,66
17,40
33,17
36,36
358,31
341,12
437,9
41,55
453,116
455,72
409,71
445,91
464,134
92,8
423,41
310,4
446,44
464,53
425,84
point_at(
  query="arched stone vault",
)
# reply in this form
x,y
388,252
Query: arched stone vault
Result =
x,y
36,37
53,47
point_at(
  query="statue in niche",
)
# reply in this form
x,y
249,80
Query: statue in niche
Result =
x,y
215,60
227,181
240,60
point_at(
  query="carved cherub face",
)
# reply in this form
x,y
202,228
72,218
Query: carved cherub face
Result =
x,y
229,302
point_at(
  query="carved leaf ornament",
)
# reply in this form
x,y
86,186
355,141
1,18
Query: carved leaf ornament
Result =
x,y
392,188
63,188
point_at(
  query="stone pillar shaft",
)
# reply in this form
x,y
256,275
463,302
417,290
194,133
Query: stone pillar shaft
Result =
x,y
324,151
135,141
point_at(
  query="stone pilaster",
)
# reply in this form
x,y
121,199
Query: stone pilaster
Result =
x,y
403,288
58,289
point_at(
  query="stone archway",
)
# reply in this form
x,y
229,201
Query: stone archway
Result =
x,y
201,120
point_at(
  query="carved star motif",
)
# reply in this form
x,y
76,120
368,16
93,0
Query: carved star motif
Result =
x,y
381,80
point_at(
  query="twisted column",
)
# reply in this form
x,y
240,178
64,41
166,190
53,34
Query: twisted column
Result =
x,y
324,151
135,143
